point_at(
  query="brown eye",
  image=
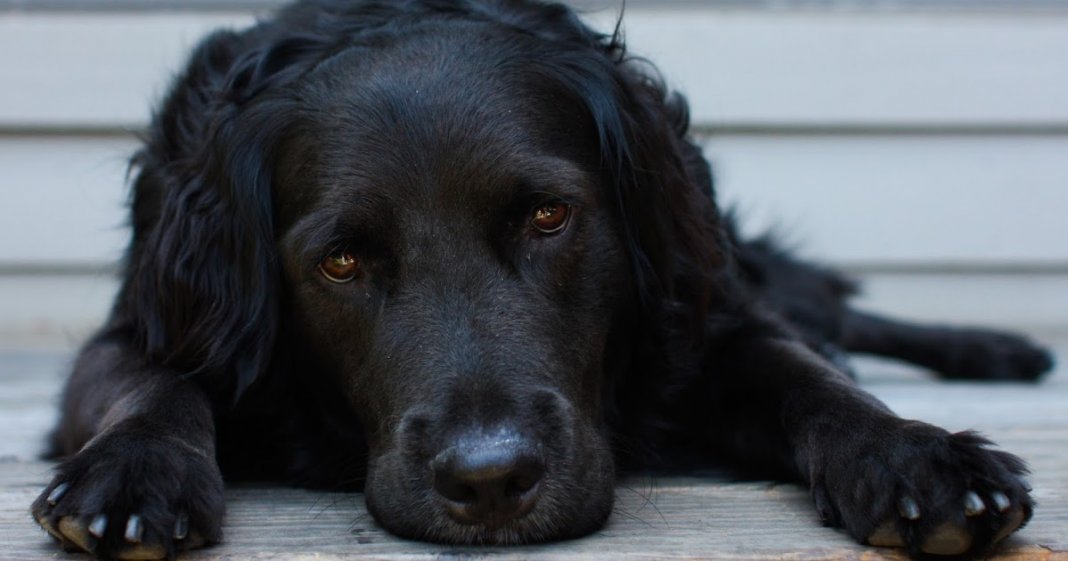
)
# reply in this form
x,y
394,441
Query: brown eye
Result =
x,y
551,218
340,267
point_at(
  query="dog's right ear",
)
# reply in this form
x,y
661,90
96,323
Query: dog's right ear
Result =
x,y
201,279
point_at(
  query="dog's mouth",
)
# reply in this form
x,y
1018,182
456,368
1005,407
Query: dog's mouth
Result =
x,y
533,517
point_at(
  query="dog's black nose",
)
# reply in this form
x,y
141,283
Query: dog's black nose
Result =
x,y
489,481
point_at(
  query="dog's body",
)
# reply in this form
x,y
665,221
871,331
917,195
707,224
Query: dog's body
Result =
x,y
461,255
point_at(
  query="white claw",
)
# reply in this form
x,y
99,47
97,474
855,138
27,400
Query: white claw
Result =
x,y
134,529
908,509
1001,501
181,527
973,505
57,493
99,525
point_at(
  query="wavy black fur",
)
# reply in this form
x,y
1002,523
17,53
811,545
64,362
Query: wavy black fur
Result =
x,y
419,136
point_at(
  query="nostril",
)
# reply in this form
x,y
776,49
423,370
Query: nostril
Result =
x,y
525,478
488,482
450,487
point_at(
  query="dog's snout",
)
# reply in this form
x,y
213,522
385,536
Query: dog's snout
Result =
x,y
489,481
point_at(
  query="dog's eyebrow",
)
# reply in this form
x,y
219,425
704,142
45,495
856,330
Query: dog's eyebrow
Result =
x,y
311,235
555,176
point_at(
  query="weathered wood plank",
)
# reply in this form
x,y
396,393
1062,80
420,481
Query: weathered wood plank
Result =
x,y
681,518
654,519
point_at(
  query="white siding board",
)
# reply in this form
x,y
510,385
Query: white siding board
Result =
x,y
739,67
53,311
93,70
62,199
827,69
915,199
867,199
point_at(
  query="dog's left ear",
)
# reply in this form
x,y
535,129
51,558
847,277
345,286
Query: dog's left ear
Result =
x,y
660,181
202,286
674,231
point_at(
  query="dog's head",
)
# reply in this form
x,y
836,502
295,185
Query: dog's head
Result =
x,y
467,215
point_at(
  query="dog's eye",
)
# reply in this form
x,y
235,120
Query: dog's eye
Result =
x,y
340,266
551,218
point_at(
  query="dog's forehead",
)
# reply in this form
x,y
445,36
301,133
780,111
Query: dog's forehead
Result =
x,y
441,117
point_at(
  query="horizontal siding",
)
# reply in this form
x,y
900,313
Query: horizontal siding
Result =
x,y
740,68
818,69
850,199
62,199
874,139
1015,6
58,311
907,199
93,70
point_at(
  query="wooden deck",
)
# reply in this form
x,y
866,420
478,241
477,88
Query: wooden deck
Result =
x,y
678,518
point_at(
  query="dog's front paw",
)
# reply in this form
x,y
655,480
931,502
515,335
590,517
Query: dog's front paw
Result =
x,y
934,493
132,495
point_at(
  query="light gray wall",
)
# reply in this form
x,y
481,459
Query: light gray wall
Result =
x,y
893,136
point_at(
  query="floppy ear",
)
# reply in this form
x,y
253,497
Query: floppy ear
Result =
x,y
665,194
660,181
202,280
663,190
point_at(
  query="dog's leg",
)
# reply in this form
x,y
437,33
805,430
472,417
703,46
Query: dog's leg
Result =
x,y
886,480
140,480
952,352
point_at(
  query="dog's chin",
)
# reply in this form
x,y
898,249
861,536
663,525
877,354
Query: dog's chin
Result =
x,y
564,511
538,526
530,529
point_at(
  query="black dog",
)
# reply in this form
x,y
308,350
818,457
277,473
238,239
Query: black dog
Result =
x,y
460,254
